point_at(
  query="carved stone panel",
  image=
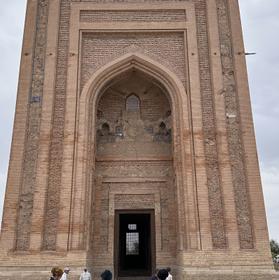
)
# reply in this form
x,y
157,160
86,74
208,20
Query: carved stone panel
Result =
x,y
57,136
215,199
33,131
236,151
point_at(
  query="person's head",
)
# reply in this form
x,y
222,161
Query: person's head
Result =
x,y
168,269
106,275
56,272
67,270
162,274
85,269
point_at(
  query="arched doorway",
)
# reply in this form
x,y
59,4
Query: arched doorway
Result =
x,y
134,168
146,171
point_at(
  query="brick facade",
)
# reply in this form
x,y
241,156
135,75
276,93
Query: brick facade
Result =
x,y
184,149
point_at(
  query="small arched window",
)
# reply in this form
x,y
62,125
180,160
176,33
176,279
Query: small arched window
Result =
x,y
162,125
132,103
105,129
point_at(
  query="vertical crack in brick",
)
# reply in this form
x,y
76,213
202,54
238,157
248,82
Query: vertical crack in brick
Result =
x,y
209,131
234,130
56,148
33,131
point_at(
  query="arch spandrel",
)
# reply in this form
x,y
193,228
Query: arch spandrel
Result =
x,y
133,60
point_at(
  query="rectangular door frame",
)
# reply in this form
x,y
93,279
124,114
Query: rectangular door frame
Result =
x,y
151,212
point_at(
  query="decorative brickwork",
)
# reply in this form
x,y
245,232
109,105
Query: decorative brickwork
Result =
x,y
32,134
131,201
209,132
128,128
140,169
101,48
137,16
156,176
236,151
101,223
56,149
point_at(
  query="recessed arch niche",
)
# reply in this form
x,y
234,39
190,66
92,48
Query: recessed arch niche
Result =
x,y
134,119
134,160
127,157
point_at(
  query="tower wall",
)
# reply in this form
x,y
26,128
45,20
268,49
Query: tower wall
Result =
x,y
61,191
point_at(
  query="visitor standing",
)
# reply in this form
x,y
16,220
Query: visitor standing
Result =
x,y
56,273
169,276
106,275
85,275
65,274
163,274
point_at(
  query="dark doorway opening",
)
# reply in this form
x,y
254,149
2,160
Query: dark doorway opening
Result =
x,y
134,243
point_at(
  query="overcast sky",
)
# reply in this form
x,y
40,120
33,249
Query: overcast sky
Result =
x,y
260,26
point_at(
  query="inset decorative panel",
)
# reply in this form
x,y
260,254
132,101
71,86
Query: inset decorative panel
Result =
x,y
133,15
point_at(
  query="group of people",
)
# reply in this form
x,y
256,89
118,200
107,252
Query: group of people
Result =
x,y
59,274
162,274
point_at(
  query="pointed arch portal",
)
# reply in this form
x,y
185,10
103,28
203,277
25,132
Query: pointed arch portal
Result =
x,y
131,164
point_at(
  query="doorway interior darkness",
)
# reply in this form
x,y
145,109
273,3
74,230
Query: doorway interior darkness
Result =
x,y
134,254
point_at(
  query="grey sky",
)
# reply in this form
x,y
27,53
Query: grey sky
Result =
x,y
260,25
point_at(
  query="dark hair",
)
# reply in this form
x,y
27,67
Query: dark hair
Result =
x,y
56,271
106,275
162,274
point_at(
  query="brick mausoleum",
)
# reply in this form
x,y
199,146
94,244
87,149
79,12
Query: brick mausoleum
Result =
x,y
133,145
